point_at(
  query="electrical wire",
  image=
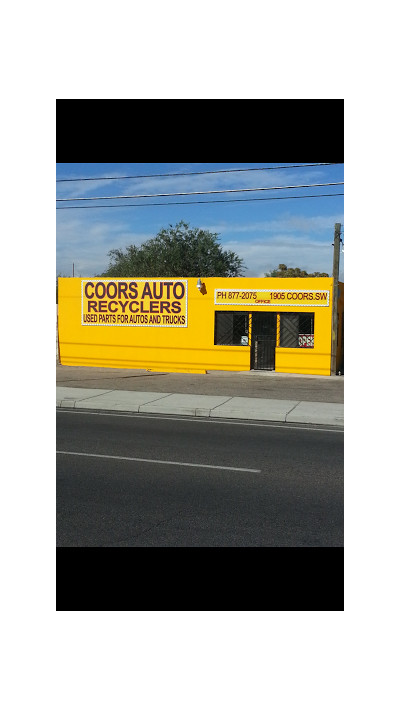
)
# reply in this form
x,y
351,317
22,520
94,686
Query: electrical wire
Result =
x,y
203,172
196,202
203,192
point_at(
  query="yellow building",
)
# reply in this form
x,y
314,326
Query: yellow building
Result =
x,y
188,326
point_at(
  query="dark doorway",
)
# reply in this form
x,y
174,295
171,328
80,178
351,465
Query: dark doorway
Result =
x,y
263,341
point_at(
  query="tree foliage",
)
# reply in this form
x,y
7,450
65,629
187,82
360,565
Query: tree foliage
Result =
x,y
286,272
178,251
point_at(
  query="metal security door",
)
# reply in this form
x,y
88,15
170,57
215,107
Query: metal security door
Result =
x,y
263,341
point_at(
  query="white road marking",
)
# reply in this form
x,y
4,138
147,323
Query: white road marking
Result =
x,y
200,420
161,461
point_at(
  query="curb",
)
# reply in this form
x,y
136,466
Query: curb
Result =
x,y
283,411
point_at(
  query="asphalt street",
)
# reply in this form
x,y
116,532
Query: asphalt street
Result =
x,y
153,481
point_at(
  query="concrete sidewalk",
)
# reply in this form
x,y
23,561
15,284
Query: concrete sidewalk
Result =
x,y
197,405
265,385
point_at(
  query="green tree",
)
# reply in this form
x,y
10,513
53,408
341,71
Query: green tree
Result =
x,y
285,272
180,251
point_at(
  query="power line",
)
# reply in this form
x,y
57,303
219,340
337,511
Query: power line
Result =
x,y
196,202
202,172
204,192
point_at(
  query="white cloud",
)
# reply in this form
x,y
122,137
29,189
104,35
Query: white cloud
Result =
x,y
262,256
87,244
293,224
189,183
294,240
220,181
297,241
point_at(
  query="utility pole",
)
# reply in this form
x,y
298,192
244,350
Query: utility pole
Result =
x,y
335,274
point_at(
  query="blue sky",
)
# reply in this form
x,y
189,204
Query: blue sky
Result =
x,y
298,233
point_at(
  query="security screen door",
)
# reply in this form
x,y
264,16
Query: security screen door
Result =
x,y
263,341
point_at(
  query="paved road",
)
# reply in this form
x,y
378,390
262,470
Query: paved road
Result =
x,y
253,484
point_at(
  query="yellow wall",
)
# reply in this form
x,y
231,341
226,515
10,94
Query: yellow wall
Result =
x,y
189,349
340,341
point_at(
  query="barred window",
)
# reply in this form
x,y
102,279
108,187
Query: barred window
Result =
x,y
297,331
231,328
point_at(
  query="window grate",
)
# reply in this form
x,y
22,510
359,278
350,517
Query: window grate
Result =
x,y
297,330
230,328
